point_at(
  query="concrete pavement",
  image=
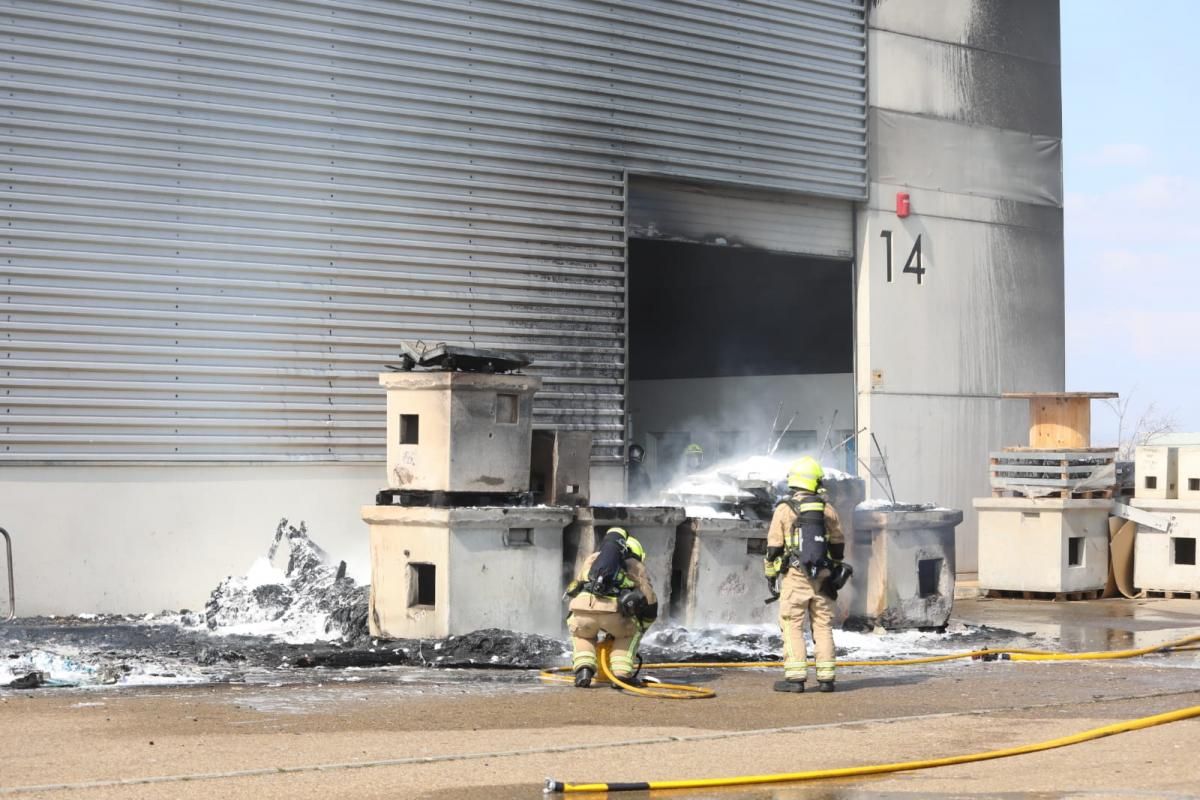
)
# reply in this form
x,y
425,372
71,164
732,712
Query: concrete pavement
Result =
x,y
498,735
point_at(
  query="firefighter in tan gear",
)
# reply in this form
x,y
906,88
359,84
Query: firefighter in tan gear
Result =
x,y
804,548
612,593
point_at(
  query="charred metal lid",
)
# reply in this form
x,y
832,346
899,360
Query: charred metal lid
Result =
x,y
452,358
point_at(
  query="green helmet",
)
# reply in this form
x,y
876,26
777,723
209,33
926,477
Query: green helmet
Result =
x,y
694,449
635,548
805,473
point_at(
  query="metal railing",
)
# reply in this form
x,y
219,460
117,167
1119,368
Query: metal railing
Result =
x,y
12,597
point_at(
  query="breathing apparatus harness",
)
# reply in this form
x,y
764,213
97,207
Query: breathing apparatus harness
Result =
x,y
807,549
607,578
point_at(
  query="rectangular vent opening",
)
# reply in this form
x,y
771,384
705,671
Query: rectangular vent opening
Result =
x,y
929,576
410,428
506,408
518,537
1075,551
1183,551
422,585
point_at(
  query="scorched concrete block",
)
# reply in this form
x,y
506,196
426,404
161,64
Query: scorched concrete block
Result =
x,y
907,581
458,431
718,573
438,572
653,526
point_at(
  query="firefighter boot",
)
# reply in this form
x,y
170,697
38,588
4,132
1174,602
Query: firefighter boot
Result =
x,y
824,686
796,687
583,677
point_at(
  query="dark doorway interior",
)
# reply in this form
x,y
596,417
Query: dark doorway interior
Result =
x,y
703,311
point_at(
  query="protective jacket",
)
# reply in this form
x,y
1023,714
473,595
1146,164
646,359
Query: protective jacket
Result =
x,y
592,613
805,518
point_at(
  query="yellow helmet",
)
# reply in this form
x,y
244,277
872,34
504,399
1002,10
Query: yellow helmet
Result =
x,y
635,548
694,449
619,532
805,473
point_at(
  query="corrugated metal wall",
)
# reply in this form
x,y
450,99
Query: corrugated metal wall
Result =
x,y
223,217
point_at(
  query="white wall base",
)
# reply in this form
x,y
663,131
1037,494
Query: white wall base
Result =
x,y
115,539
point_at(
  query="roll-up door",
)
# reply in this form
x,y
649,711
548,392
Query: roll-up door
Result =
x,y
223,217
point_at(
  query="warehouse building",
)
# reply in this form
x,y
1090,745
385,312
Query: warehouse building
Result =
x,y
223,218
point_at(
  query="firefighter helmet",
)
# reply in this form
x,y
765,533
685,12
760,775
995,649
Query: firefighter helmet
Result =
x,y
635,549
805,473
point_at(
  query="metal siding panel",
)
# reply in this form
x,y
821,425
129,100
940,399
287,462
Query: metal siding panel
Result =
x,y
224,217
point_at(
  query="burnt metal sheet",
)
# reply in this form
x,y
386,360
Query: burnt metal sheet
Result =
x,y
966,159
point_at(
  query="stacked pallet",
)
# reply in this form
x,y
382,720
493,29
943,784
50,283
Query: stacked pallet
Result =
x,y
1043,534
1084,474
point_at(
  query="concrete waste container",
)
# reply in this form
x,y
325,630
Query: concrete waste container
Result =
x,y
438,572
903,558
718,573
1166,561
653,526
1048,544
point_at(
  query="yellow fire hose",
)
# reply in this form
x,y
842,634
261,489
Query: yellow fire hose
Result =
x,y
562,674
678,691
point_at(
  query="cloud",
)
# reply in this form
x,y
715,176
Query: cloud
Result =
x,y
1161,192
1151,211
1165,336
1125,154
1136,264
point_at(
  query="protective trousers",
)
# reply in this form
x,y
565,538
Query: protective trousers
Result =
x,y
585,627
798,599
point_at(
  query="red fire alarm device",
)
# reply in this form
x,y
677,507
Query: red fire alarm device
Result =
x,y
902,205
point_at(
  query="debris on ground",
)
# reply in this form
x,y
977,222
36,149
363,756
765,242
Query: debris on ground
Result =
x,y
309,600
748,488
310,616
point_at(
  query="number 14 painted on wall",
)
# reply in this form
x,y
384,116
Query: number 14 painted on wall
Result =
x,y
912,265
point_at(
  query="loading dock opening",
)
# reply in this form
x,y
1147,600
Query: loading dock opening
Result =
x,y
720,337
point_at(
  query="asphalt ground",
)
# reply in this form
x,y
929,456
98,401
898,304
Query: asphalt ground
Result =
x,y
400,733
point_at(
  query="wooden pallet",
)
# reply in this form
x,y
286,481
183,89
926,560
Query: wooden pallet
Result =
x,y
1052,474
1059,494
1169,594
1009,594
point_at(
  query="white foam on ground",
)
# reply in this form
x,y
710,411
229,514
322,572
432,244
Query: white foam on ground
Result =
x,y
292,628
263,572
291,605
62,666
750,641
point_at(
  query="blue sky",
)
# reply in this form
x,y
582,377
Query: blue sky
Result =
x,y
1132,172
